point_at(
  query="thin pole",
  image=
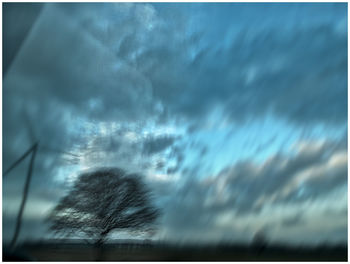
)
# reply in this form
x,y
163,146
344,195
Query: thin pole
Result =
x,y
24,198
20,159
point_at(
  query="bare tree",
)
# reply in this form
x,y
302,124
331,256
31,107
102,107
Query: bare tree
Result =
x,y
102,201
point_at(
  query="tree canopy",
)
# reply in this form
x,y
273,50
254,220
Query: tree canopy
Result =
x,y
104,200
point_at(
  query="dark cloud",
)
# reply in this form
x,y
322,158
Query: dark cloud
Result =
x,y
186,211
105,56
82,66
270,68
14,33
153,145
246,182
292,221
77,69
34,230
247,189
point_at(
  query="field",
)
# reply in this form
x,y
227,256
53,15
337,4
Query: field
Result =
x,y
162,252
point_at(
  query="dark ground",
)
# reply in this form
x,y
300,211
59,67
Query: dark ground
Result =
x,y
161,252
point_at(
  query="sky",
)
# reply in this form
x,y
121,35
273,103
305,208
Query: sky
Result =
x,y
234,113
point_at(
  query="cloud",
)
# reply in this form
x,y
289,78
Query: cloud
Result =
x,y
15,33
308,174
80,73
153,145
105,82
292,221
248,196
127,62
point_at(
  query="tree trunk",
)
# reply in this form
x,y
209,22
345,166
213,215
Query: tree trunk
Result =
x,y
99,245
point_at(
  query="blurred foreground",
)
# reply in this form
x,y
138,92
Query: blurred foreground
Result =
x,y
167,252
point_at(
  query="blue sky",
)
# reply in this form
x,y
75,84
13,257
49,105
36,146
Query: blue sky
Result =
x,y
235,113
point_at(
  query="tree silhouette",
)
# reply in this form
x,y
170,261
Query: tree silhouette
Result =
x,y
102,201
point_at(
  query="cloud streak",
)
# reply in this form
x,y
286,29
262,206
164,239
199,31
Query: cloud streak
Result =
x,y
175,91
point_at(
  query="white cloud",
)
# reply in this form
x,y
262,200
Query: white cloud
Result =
x,y
110,76
295,197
